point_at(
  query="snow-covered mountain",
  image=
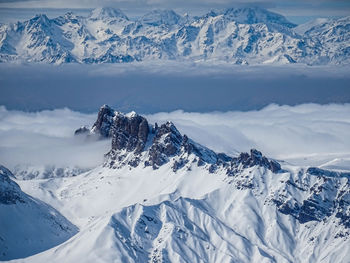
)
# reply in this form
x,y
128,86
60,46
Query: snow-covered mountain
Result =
x,y
161,197
28,225
28,172
333,39
235,35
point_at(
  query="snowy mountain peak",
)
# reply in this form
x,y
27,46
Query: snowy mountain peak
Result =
x,y
234,35
254,15
135,142
40,18
39,21
301,29
104,13
161,17
69,17
104,121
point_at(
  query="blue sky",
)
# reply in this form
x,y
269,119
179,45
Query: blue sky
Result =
x,y
297,11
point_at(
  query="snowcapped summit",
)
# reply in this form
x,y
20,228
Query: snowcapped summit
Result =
x,y
235,35
329,28
69,17
334,36
254,15
104,121
40,19
161,17
131,114
103,13
301,29
38,22
136,143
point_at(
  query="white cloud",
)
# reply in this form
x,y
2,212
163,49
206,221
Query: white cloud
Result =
x,y
305,134
46,138
319,133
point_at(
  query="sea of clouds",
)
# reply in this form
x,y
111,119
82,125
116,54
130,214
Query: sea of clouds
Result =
x,y
46,138
307,134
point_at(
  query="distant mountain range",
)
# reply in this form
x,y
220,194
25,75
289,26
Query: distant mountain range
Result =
x,y
234,35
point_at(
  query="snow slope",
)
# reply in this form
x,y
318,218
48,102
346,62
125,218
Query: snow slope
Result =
x,y
28,225
234,35
141,215
161,197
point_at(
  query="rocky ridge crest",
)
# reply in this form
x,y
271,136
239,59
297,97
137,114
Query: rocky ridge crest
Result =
x,y
135,142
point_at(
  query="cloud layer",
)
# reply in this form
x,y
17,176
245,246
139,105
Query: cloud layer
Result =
x,y
283,132
46,138
307,134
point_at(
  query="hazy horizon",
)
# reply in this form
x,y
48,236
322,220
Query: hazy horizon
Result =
x,y
155,87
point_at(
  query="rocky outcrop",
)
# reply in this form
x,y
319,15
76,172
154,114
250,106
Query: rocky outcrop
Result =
x,y
166,142
82,131
328,195
28,226
10,192
104,121
129,132
135,142
255,158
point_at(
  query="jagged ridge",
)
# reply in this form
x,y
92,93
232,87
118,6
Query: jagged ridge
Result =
x,y
235,35
134,141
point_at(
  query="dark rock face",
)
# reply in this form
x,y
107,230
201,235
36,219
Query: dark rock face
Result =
x,y
255,158
104,121
342,209
311,209
166,142
326,198
10,192
169,142
322,172
129,133
82,131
